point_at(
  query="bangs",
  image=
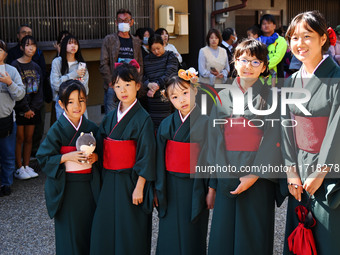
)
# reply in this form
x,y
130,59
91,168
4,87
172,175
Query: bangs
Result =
x,y
73,40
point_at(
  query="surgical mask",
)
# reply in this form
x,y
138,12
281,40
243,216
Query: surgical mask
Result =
x,y
145,40
235,40
123,27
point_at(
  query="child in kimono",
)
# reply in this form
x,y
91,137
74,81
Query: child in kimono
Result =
x,y
311,150
183,201
71,186
243,219
126,143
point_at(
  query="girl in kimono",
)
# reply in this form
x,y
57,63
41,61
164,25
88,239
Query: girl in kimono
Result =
x,y
243,218
126,143
183,201
311,149
71,186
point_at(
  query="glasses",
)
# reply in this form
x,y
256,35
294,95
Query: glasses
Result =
x,y
123,20
254,63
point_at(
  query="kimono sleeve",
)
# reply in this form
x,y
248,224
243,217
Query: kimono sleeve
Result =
x,y
146,151
160,183
49,155
329,152
288,144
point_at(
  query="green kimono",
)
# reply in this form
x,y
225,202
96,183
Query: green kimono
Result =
x,y
244,224
182,209
70,197
324,102
119,226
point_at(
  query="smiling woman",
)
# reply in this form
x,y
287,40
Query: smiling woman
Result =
x,y
314,143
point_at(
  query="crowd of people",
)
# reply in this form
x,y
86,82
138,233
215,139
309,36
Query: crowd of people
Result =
x,y
153,135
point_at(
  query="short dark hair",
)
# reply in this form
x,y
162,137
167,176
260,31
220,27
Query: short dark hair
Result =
x,y
21,26
3,45
269,18
255,30
217,33
27,38
122,11
253,48
315,20
127,73
227,33
140,32
173,82
67,87
155,39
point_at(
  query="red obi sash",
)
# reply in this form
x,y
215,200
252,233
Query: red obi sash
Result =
x,y
119,154
181,157
240,136
310,132
74,167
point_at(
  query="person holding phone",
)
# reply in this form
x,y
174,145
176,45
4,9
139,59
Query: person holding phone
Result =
x,y
213,64
69,66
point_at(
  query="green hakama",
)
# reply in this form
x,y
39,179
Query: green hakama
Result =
x,y
324,102
70,197
182,209
244,224
119,226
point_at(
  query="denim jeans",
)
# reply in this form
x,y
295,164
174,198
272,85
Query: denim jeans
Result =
x,y
7,157
109,105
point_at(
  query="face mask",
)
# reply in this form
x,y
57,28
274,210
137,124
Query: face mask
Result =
x,y
235,40
145,40
123,27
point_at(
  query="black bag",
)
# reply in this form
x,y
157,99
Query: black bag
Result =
x,y
6,126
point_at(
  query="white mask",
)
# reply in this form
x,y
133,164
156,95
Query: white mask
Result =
x,y
145,40
123,27
235,40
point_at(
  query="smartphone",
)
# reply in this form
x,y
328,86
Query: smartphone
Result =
x,y
2,69
213,69
81,65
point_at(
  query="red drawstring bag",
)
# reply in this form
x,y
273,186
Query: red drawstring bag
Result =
x,y
301,240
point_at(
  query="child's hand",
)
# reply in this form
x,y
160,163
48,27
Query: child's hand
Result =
x,y
210,199
246,182
93,157
29,114
75,156
137,195
155,199
220,75
5,78
150,93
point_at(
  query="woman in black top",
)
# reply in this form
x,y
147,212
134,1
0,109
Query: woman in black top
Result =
x,y
159,66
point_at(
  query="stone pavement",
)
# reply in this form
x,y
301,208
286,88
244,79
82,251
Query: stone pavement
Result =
x,y
26,229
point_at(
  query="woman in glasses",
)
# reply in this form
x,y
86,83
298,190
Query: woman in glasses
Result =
x,y
243,219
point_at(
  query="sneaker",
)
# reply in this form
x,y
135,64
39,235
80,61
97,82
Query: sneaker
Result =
x,y
21,174
31,172
5,191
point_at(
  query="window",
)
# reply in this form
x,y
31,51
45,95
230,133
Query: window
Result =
x,y
89,20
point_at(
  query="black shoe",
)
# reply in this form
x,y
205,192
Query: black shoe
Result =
x,y
5,191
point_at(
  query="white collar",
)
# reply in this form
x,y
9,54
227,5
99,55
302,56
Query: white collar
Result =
x,y
120,114
304,73
184,119
76,128
227,45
